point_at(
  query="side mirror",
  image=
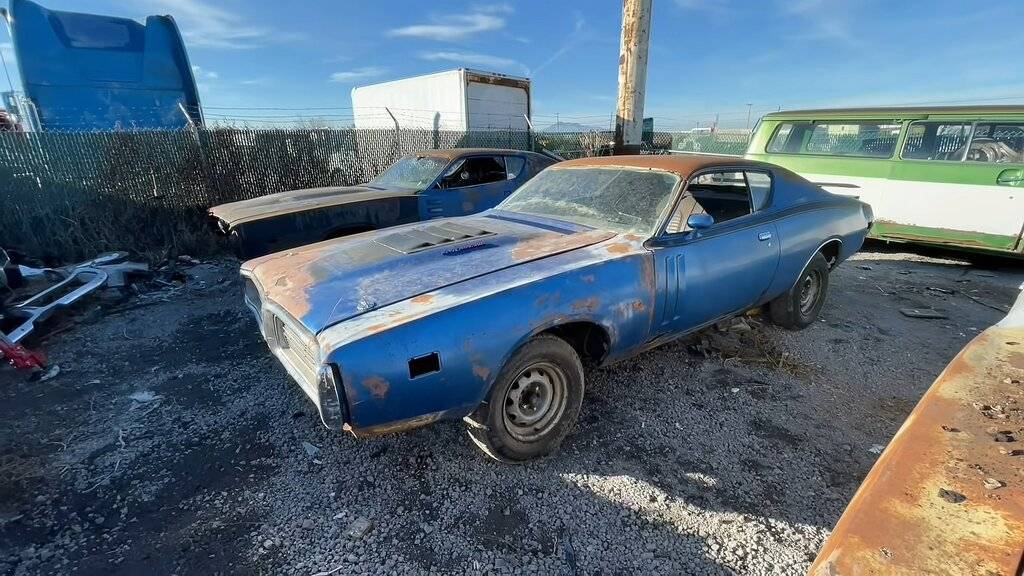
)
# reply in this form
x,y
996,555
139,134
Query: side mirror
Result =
x,y
700,221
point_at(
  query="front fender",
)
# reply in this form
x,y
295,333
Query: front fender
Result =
x,y
475,338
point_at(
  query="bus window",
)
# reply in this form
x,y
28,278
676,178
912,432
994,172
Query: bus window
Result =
x,y
936,141
873,139
1002,143
784,140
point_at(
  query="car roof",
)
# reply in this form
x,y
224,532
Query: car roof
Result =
x,y
891,112
452,153
681,164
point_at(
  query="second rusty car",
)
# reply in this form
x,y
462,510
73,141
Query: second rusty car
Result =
x,y
419,186
492,317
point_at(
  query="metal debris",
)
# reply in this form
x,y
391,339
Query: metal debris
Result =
x,y
924,313
951,496
359,528
993,484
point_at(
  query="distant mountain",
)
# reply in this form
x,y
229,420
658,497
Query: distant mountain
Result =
x,y
572,127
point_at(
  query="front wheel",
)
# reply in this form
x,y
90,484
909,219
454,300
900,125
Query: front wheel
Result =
x,y
533,404
799,307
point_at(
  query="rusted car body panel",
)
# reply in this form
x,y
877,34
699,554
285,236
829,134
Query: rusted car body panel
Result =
x,y
285,220
947,494
465,293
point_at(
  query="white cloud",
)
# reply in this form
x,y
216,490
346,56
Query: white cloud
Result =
x,y
214,27
473,59
454,27
262,81
357,74
201,73
578,35
823,19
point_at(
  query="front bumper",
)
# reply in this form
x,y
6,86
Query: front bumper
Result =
x,y
299,353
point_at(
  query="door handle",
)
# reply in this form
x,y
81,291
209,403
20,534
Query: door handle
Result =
x,y
1011,177
764,236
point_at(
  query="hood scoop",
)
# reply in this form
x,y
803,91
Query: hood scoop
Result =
x,y
423,237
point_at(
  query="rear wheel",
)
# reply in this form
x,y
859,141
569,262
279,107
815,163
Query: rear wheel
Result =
x,y
534,402
799,307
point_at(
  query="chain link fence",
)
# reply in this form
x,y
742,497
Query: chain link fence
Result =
x,y
68,196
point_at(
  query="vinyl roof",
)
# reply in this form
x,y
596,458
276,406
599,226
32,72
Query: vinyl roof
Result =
x,y
681,164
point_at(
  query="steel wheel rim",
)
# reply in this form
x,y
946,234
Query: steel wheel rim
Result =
x,y
535,401
810,287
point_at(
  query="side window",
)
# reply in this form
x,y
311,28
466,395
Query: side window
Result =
x,y
868,139
760,185
874,139
936,141
1000,143
475,171
722,195
514,166
787,138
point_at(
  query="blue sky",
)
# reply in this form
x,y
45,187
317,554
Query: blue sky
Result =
x,y
706,57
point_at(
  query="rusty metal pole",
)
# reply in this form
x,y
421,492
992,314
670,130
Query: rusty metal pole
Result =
x,y
636,34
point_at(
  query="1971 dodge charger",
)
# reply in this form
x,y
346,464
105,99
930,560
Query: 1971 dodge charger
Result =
x,y
420,186
492,317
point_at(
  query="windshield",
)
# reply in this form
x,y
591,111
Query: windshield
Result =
x,y
618,199
415,172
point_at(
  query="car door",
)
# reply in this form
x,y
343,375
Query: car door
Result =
x,y
958,181
469,185
709,272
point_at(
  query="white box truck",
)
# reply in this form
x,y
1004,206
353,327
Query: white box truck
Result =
x,y
460,99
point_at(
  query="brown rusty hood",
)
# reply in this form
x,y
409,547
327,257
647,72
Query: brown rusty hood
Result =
x,y
234,213
329,282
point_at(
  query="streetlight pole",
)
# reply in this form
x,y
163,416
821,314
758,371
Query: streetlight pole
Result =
x,y
636,35
749,106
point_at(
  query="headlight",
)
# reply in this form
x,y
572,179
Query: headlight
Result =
x,y
329,394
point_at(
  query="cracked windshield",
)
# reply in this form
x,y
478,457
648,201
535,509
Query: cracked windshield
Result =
x,y
413,172
608,198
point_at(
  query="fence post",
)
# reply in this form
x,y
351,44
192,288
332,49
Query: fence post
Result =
x,y
398,136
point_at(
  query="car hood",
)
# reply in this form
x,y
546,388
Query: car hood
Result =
x,y
332,281
301,200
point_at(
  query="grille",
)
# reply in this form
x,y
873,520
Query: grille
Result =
x,y
296,347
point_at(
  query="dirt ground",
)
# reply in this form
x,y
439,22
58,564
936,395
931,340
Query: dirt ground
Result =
x,y
171,442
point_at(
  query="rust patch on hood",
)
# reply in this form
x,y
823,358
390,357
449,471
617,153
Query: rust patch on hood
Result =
x,y
285,276
947,495
378,387
555,243
423,299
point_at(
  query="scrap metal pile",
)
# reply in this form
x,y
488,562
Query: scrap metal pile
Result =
x,y
30,296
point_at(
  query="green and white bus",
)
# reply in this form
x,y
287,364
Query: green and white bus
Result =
x,y
942,175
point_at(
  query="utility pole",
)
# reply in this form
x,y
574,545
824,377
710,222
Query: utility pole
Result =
x,y
636,35
749,106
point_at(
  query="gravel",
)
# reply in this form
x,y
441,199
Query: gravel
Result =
x,y
733,451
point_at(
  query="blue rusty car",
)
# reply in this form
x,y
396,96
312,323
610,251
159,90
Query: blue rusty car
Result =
x,y
491,318
419,186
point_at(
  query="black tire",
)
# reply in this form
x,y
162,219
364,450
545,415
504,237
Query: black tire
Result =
x,y
799,307
518,421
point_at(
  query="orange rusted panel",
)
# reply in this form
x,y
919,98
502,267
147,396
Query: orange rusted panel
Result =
x,y
681,164
947,494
